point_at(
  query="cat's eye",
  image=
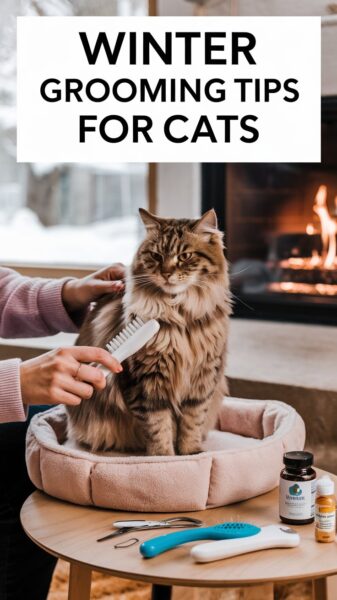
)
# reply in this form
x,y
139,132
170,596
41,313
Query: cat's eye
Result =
x,y
155,256
185,256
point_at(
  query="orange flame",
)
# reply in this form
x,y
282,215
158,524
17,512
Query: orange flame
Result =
x,y
328,227
327,259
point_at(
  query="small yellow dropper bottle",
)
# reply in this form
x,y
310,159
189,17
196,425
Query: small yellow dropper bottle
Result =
x,y
325,510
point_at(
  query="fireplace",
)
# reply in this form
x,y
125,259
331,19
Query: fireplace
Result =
x,y
280,222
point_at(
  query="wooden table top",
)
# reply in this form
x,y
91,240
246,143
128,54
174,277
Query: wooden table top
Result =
x,y
70,532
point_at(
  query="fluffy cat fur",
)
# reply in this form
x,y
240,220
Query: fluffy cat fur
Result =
x,y
168,395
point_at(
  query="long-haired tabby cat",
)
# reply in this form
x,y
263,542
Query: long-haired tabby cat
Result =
x,y
168,395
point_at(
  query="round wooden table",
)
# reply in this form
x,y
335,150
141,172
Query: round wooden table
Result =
x,y
70,532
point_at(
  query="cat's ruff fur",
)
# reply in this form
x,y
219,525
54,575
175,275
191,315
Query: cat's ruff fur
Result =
x,y
168,395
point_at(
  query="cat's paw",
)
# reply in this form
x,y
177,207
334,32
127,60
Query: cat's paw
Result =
x,y
184,449
160,451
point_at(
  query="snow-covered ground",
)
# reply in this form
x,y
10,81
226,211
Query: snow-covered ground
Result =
x,y
24,240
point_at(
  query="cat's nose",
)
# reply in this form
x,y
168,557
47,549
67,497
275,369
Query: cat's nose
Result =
x,y
167,270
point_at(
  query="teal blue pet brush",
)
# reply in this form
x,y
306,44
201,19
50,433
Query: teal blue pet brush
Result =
x,y
222,531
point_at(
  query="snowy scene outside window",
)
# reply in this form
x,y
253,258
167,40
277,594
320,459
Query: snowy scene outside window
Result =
x,y
63,214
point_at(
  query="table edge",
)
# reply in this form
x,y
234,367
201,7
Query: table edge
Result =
x,y
184,582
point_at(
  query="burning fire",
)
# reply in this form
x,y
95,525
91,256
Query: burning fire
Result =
x,y
324,264
328,228
321,289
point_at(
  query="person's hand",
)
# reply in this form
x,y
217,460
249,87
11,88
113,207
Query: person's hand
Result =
x,y
62,377
78,293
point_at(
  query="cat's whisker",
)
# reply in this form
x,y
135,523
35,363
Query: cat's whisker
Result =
x,y
141,278
231,275
142,275
149,286
143,281
242,302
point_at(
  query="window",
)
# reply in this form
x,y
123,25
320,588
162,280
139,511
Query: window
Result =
x,y
63,214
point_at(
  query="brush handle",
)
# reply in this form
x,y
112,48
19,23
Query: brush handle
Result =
x,y
106,372
271,536
162,543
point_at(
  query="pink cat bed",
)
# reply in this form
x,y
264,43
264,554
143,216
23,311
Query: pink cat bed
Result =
x,y
242,459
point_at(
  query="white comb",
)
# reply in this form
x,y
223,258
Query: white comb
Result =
x,y
131,339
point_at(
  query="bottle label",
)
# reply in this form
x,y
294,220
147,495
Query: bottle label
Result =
x,y
325,519
297,499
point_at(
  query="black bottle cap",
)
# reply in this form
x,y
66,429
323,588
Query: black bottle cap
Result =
x,y
298,459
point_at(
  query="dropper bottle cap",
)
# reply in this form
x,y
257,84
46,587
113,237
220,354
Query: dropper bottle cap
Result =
x,y
325,486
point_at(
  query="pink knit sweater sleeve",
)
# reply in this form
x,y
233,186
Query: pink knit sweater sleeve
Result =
x,y
28,308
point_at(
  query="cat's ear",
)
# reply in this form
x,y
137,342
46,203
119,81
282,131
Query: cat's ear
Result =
x,y
207,222
150,221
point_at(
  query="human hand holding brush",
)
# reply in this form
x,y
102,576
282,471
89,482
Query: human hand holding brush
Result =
x,y
63,377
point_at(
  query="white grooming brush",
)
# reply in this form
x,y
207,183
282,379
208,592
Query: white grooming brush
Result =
x,y
131,339
271,536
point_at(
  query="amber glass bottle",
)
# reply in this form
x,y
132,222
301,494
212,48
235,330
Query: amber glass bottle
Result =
x,y
297,488
325,510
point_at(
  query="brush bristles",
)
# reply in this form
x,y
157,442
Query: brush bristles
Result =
x,y
125,334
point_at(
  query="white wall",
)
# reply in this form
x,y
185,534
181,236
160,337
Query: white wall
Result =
x,y
172,8
329,55
179,190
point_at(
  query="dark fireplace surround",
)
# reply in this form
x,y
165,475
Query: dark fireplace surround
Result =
x,y
281,267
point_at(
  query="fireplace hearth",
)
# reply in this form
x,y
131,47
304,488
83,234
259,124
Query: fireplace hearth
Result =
x,y
280,223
